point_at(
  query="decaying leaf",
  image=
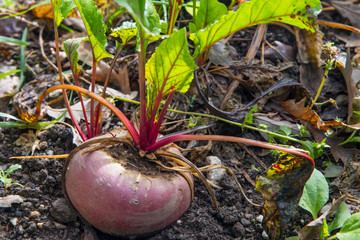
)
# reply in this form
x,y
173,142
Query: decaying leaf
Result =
x,y
298,110
25,101
352,78
282,186
349,11
28,141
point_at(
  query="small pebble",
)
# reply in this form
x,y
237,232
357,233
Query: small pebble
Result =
x,y
34,214
40,225
264,235
245,222
179,222
14,221
260,218
21,230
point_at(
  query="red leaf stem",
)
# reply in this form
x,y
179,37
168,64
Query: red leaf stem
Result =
x,y
134,134
167,140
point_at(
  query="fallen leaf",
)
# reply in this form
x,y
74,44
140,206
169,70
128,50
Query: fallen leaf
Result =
x,y
28,141
349,11
352,78
46,11
219,54
299,111
282,186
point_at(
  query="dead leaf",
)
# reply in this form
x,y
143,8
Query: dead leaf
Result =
x,y
219,54
28,141
282,186
45,11
299,111
349,11
287,51
351,77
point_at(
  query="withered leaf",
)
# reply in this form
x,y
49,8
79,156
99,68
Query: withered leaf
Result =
x,y
349,11
282,186
298,110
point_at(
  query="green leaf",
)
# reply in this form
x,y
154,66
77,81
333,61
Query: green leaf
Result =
x,y
249,118
189,7
95,28
209,12
2,75
137,10
126,31
70,47
13,168
152,32
13,40
301,14
62,8
170,68
316,193
351,228
342,214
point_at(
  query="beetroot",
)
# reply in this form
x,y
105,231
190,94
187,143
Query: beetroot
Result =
x,y
119,197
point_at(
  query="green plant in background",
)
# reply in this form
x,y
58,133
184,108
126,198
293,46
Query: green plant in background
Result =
x,y
314,197
4,177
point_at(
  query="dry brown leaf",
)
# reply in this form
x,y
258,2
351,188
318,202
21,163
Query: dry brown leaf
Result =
x,y
349,11
45,11
28,141
298,110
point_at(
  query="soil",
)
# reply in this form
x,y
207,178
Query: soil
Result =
x,y
44,213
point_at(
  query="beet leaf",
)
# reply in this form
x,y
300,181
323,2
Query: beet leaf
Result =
x,y
209,12
62,8
95,27
301,14
169,69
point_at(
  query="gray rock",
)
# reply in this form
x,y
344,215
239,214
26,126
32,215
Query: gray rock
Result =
x,y
6,202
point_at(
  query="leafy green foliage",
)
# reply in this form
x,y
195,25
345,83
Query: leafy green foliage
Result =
x,y
4,177
70,47
95,28
209,12
62,8
316,193
126,31
13,40
298,13
350,229
342,214
170,68
2,75
249,118
137,10
315,149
